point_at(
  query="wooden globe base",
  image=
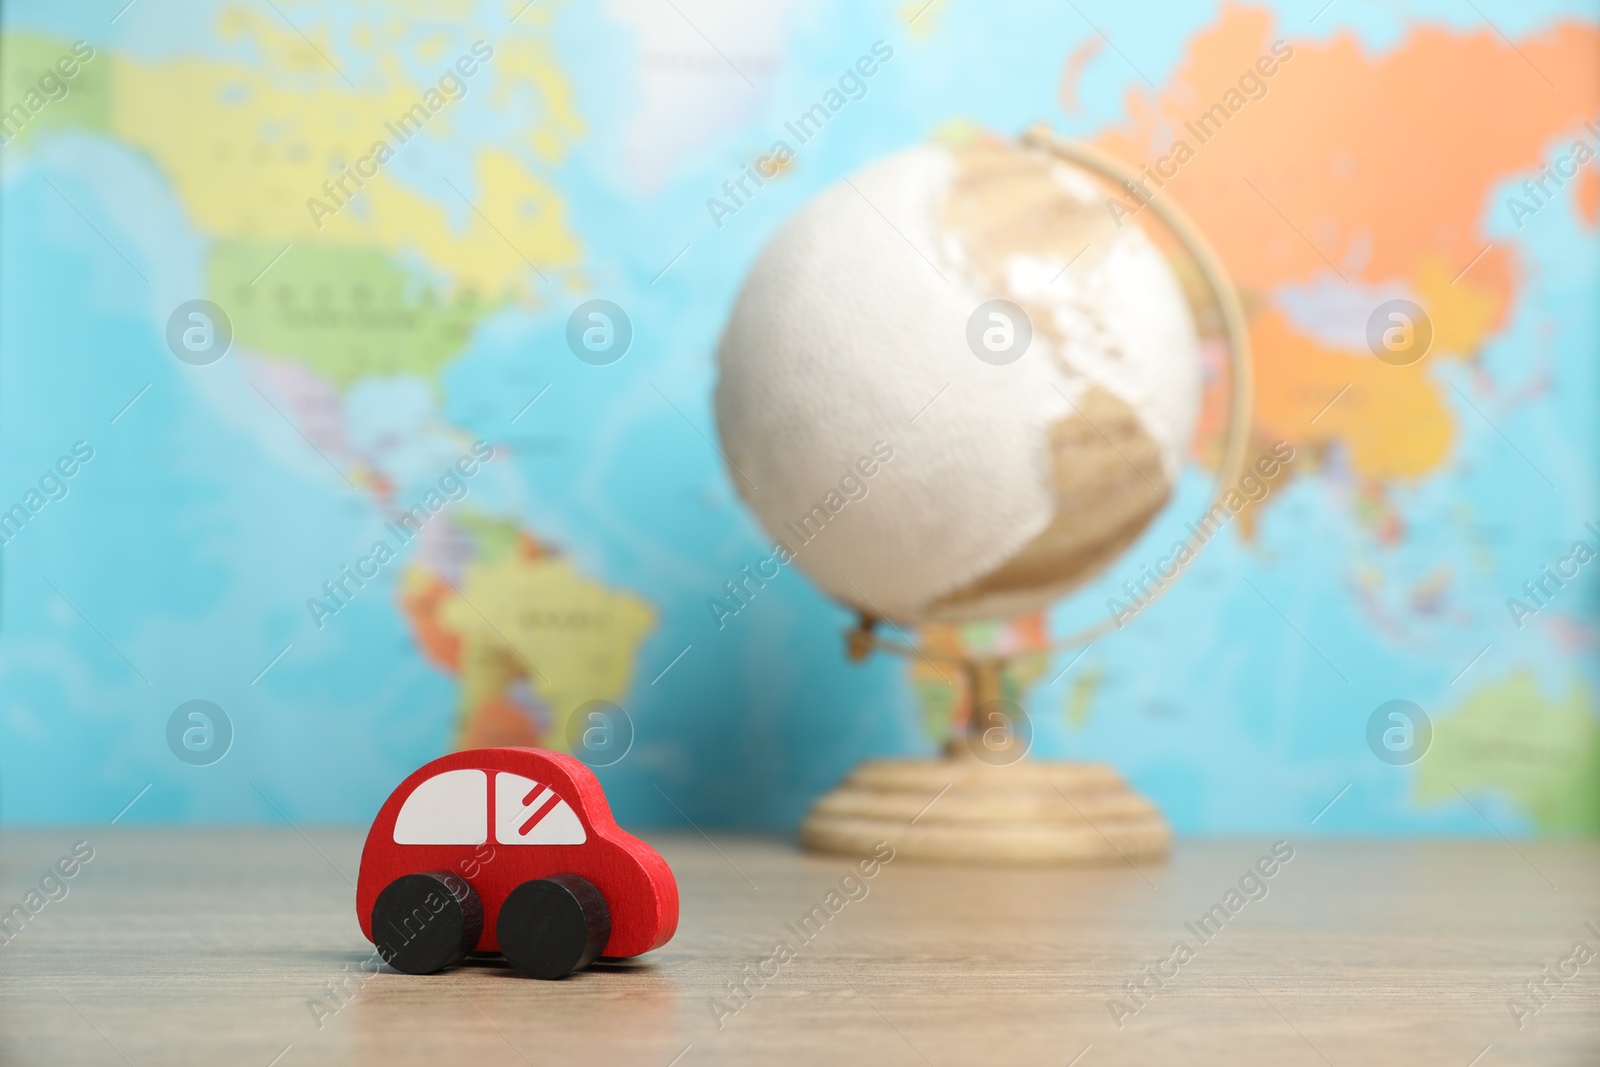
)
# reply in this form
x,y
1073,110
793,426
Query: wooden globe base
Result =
x,y
1031,813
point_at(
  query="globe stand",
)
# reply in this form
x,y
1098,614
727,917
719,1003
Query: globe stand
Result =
x,y
985,803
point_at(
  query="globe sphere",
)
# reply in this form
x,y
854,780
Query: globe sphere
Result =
x,y
957,384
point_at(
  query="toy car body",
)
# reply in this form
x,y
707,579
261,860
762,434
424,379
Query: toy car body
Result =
x,y
511,851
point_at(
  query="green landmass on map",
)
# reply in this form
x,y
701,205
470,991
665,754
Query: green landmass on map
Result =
x,y
1540,752
495,537
36,97
1080,697
345,313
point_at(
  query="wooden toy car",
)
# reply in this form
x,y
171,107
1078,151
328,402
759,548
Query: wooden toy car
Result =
x,y
511,851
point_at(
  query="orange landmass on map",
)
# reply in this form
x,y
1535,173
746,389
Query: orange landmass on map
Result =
x,y
421,597
497,722
488,717
1072,74
1463,307
1376,168
1392,419
1588,195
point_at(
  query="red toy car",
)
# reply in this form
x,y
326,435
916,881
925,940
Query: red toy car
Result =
x,y
509,850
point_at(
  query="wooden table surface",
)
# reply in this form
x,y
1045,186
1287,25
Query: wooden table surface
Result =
x,y
186,946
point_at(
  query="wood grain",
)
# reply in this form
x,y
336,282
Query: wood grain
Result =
x,y
176,947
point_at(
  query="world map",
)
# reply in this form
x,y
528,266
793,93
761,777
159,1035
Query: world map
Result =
x,y
398,212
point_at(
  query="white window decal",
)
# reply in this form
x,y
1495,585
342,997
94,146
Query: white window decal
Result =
x,y
448,809
528,813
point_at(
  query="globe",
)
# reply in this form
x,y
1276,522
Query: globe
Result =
x,y
956,386
1012,358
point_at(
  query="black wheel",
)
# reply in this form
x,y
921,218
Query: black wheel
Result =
x,y
550,927
423,923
